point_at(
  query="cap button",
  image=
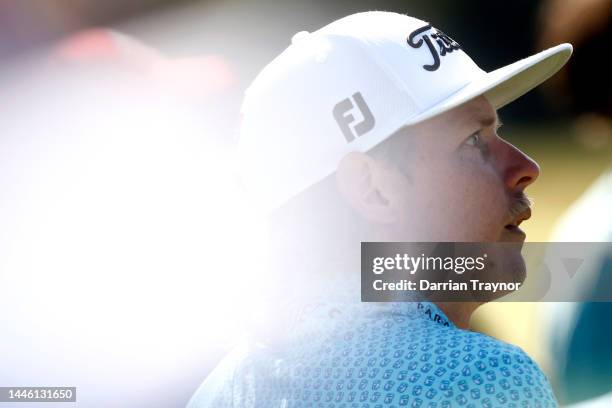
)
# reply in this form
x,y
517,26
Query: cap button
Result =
x,y
301,36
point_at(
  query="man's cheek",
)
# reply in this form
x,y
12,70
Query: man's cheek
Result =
x,y
488,208
471,201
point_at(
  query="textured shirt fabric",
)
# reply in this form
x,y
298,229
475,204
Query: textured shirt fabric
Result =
x,y
367,355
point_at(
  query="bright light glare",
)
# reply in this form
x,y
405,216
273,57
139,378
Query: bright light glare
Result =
x,y
125,239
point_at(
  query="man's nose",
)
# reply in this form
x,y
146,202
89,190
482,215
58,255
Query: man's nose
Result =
x,y
518,170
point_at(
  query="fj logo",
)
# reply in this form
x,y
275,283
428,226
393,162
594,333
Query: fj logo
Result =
x,y
344,117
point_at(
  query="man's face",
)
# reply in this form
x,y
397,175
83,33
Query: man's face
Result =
x,y
454,179
449,179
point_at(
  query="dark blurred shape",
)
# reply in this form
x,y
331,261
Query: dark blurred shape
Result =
x,y
585,84
593,131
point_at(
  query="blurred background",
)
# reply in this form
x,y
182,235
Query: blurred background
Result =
x,y
120,219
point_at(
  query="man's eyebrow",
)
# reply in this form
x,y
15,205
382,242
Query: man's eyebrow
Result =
x,y
488,121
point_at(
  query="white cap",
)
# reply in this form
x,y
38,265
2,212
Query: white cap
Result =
x,y
353,83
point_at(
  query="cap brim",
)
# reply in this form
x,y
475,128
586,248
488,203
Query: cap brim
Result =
x,y
505,84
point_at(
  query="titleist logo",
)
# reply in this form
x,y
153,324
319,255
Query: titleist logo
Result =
x,y
445,44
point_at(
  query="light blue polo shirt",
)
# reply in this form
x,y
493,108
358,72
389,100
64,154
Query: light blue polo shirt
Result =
x,y
375,355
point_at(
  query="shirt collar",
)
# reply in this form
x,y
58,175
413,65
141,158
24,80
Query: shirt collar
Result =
x,y
432,312
332,310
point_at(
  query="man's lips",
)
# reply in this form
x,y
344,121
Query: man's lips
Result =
x,y
522,216
513,224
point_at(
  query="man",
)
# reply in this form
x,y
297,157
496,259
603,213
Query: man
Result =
x,y
378,127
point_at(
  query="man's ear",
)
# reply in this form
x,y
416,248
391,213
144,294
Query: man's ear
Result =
x,y
359,179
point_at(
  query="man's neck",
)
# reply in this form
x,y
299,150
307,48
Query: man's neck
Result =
x,y
459,313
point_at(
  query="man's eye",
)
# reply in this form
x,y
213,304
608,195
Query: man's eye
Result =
x,y
473,140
